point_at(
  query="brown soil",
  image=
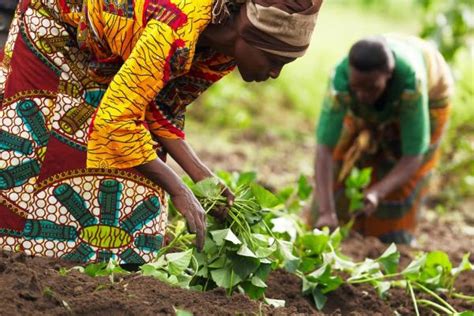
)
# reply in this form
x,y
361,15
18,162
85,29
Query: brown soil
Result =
x,y
34,285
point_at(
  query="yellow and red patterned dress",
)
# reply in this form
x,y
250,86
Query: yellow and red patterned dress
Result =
x,y
85,88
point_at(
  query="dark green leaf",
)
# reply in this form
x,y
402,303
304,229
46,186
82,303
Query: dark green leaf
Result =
x,y
244,266
319,298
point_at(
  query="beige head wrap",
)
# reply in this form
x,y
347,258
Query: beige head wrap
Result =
x,y
280,27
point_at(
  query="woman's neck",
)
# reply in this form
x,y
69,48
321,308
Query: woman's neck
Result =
x,y
221,37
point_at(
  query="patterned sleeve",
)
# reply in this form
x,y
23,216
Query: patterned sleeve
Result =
x,y
414,118
118,139
334,109
165,116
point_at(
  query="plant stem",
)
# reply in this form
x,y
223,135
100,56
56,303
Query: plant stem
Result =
x,y
427,290
413,298
463,296
435,305
170,245
386,276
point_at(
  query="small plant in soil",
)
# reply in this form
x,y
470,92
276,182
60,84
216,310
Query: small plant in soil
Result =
x,y
263,232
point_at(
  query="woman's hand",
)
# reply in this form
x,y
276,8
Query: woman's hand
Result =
x,y
187,204
181,196
185,156
221,212
328,219
371,202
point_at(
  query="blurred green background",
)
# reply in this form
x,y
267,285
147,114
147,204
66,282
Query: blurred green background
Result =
x,y
269,127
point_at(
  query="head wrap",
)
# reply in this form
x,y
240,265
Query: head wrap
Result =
x,y
280,27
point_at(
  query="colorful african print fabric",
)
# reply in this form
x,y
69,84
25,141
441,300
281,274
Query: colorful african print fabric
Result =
x,y
51,202
408,120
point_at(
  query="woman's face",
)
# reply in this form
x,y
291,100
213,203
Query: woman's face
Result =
x,y
368,86
257,65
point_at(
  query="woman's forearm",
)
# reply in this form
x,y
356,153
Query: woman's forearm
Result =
x,y
324,177
162,175
399,175
185,156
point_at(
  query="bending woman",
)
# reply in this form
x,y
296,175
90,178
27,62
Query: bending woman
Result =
x,y
93,95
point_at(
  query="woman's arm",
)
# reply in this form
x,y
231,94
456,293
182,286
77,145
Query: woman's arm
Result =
x,y
182,197
185,156
324,187
399,175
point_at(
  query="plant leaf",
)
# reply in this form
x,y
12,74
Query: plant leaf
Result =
x,y
265,198
244,251
275,303
225,278
304,188
415,266
182,312
220,236
256,281
284,225
319,298
389,259
465,265
179,261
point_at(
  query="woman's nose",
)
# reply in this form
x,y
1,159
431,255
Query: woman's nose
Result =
x,y
275,73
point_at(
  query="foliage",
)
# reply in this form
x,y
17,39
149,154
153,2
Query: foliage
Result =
x,y
450,24
260,235
355,183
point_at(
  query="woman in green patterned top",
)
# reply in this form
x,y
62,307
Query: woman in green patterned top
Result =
x,y
386,108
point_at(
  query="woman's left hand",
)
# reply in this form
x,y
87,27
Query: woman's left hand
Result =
x,y
221,212
371,202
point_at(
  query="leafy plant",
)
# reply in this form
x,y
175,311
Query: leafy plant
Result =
x,y
260,235
355,184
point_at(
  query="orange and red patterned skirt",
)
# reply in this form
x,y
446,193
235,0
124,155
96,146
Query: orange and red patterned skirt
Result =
x,y
396,217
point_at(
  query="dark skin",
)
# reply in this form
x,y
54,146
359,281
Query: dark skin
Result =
x,y
254,65
367,87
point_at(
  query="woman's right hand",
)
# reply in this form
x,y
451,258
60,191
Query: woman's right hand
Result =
x,y
328,219
188,205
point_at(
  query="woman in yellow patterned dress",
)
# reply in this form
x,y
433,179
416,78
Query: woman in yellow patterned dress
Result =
x,y
93,95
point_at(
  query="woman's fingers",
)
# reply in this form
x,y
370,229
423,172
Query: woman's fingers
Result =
x,y
190,208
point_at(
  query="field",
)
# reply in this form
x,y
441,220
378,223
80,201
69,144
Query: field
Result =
x,y
269,129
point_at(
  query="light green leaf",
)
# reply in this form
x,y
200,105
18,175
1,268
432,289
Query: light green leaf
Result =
x,y
244,251
316,275
220,236
218,263
465,265
382,287
225,278
415,266
208,188
368,266
389,259
315,243
246,178
290,261
284,225
265,198
256,281
275,303
304,188
178,262
182,312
